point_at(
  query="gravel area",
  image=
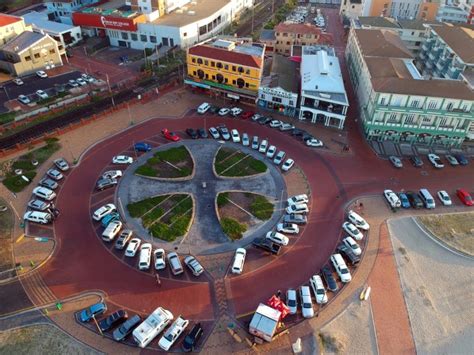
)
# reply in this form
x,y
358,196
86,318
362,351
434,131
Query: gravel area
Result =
x,y
438,287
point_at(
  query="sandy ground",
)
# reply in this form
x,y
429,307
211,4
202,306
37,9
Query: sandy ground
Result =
x,y
439,289
41,339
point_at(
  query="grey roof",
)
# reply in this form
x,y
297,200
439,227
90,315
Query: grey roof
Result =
x,y
283,74
267,35
23,41
377,21
417,24
40,21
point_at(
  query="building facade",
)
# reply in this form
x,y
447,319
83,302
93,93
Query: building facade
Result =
x,y
10,27
29,52
62,10
398,9
351,9
323,96
231,69
453,14
288,35
396,103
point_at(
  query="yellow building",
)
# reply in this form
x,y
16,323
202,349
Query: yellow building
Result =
x,y
227,68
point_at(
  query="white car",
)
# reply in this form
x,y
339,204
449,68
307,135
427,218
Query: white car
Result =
x,y
275,123
81,82
313,142
122,159
41,74
277,238
41,94
392,198
263,146
306,302
24,99
73,83
341,268
358,221
452,160
271,152
288,228
214,133
444,198
288,164
319,291
112,174
239,260
299,208
132,247
235,136
352,245
145,256
18,81
235,111
54,174
103,211
223,111
160,259
203,108
291,301
193,265
436,161
352,230
245,140
255,143
279,157
173,333
302,198
256,116
286,127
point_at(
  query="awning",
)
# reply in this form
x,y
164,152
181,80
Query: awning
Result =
x,y
232,96
193,83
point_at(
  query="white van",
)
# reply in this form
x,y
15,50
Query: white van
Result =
x,y
427,199
341,267
306,302
111,231
202,109
239,260
175,263
44,193
145,256
152,326
37,217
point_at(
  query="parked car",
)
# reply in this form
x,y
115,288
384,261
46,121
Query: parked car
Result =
x,y
271,152
255,143
444,198
349,254
263,146
202,133
193,264
341,268
192,338
126,328
61,164
81,81
171,136
122,159
191,132
352,230
42,94
299,208
291,301
175,263
93,311
39,205
72,83
357,220
404,200
142,147
103,184
224,133
145,256
113,320
123,239
132,247
465,197
256,117
54,174
415,200
279,157
44,193
286,127
239,260
331,283
48,183
295,218
103,211
173,333
275,123
353,245
245,140
24,99
451,160
247,115
111,217
277,238
288,228
42,74
436,161
37,217
297,199
416,161
396,161
319,291
235,136
18,81
160,259
313,142
461,159
223,111
112,174
235,111
214,133
392,198
306,302
203,108
288,164
267,244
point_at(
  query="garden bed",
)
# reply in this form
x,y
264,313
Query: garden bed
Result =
x,y
171,163
234,163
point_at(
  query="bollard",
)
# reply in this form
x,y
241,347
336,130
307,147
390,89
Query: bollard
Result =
x,y
32,263
59,306
46,311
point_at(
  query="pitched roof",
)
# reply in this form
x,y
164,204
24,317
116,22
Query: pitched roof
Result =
x,y
417,24
382,43
267,35
283,74
301,28
460,39
6,20
228,56
23,41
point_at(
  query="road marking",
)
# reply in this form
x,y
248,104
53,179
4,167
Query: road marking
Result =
x,y
20,238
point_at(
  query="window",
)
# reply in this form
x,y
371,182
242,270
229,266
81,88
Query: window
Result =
x,y
124,35
432,105
276,99
226,80
52,51
27,58
143,38
392,118
207,76
219,65
288,42
193,60
247,71
234,68
414,103
382,101
410,118
199,61
37,55
246,85
443,121
233,82
285,34
213,77
134,36
206,62
153,39
241,70
291,102
226,67
213,64
449,106
194,73
185,34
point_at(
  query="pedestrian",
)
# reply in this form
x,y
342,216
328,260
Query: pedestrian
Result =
x,y
279,293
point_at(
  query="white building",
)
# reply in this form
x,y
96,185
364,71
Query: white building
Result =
x,y
453,14
323,96
63,9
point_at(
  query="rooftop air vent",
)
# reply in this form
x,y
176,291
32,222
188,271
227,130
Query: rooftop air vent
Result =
x,y
191,13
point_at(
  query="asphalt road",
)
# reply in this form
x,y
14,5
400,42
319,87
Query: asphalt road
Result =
x,y
10,90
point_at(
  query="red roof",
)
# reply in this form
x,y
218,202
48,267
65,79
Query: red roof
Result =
x,y
226,56
6,20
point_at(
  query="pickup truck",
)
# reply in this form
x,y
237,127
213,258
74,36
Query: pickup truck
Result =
x,y
267,245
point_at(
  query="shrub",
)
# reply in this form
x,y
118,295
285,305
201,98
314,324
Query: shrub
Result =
x,y
261,208
222,199
233,228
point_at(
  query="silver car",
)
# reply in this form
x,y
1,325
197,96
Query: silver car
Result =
x,y
255,144
279,157
245,140
396,161
50,184
54,174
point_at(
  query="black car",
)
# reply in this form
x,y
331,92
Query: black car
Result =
x,y
297,132
416,161
414,199
191,340
348,254
106,183
267,245
295,218
461,159
214,109
112,320
126,328
202,133
326,272
192,133
306,136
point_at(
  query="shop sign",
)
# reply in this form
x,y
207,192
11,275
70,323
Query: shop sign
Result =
x,y
100,21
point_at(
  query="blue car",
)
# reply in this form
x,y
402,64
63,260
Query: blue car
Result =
x,y
109,218
461,159
94,310
142,147
404,200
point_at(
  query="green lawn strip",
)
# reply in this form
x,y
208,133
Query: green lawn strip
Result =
x,y
182,203
261,208
234,159
169,233
224,153
7,117
138,209
151,217
15,183
222,199
171,156
246,167
233,228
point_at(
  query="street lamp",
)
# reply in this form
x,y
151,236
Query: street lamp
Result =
x,y
110,89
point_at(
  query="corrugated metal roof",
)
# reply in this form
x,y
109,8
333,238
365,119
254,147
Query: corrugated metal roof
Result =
x,y
23,41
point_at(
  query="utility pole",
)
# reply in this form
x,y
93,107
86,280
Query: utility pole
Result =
x,y
110,89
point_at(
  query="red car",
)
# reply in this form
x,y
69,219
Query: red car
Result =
x,y
247,115
171,136
465,197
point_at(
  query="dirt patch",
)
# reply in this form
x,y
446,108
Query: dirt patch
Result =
x,y
41,339
456,230
232,211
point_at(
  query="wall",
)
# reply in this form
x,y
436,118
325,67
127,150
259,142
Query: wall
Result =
x,y
428,11
11,31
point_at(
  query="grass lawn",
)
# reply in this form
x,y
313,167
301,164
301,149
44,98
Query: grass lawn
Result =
x,y
233,228
222,199
230,162
6,224
139,208
261,207
456,230
171,163
7,117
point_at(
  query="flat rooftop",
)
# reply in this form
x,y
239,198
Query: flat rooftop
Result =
x,y
116,8
40,21
191,12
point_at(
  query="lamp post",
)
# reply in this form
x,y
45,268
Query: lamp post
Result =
x,y
110,89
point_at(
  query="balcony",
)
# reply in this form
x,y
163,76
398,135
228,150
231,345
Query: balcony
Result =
x,y
323,106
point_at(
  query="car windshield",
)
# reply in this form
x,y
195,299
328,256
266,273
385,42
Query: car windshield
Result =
x,y
344,271
291,303
468,198
306,305
320,291
169,337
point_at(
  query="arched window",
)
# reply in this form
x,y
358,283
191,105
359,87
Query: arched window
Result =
x,y
240,82
199,61
200,74
220,78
